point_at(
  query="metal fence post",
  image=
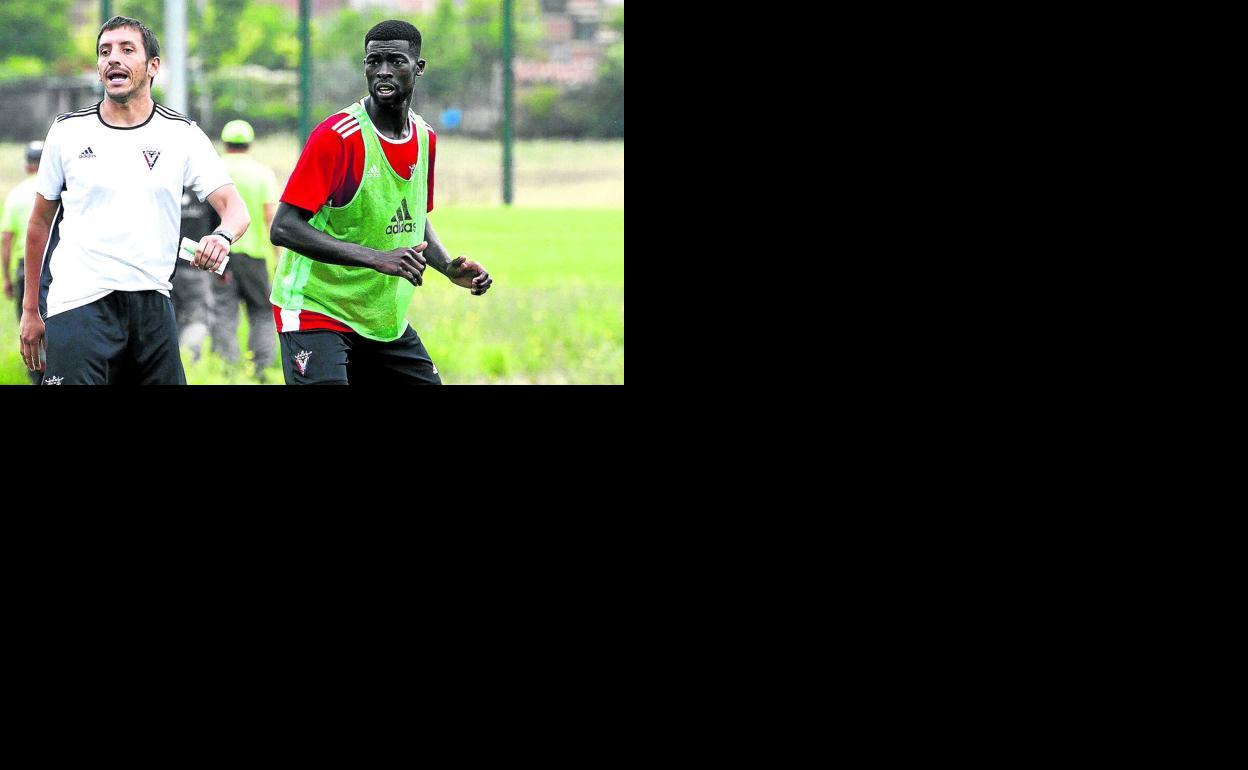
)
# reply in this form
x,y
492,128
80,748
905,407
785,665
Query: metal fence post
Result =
x,y
507,101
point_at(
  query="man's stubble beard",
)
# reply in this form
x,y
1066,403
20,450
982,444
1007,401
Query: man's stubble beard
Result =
x,y
144,87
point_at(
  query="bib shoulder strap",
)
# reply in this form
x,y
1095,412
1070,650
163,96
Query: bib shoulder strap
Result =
x,y
357,111
422,129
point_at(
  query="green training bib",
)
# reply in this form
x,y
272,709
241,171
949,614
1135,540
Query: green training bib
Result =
x,y
387,212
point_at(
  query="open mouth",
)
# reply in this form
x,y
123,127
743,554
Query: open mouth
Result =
x,y
117,77
385,89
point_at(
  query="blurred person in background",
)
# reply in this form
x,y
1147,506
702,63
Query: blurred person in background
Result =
x,y
13,221
192,289
353,216
246,277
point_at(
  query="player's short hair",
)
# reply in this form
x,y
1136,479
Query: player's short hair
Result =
x,y
34,151
151,46
394,29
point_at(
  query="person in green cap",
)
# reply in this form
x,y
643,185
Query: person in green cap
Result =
x,y
13,219
353,217
246,277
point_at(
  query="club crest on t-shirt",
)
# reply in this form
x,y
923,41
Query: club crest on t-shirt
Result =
x,y
150,154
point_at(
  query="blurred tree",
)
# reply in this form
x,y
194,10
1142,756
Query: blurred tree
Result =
x,y
229,39
33,29
483,22
340,36
264,34
150,12
81,57
607,95
19,66
219,32
446,47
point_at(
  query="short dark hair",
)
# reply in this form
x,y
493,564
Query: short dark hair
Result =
x,y
395,30
151,46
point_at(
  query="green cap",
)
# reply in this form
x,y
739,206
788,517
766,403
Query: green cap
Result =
x,y
237,132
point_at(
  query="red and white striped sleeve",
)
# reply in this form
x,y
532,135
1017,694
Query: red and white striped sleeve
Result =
x,y
323,166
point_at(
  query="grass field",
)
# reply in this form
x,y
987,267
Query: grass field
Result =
x,y
555,314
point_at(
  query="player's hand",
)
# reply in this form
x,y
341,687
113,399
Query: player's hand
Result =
x,y
211,251
407,262
464,272
32,341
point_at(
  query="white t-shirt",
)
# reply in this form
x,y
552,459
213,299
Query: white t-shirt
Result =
x,y
121,199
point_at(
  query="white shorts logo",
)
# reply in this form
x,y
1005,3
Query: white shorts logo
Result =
x,y
53,380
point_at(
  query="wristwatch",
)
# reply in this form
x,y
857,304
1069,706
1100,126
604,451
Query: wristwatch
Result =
x,y
224,235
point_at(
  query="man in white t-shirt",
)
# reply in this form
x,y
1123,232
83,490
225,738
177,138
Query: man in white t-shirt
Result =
x,y
112,176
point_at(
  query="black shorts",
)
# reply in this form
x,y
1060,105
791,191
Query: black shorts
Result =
x,y
324,357
123,338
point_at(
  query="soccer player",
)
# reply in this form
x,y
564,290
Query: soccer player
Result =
x,y
13,221
353,216
112,175
246,278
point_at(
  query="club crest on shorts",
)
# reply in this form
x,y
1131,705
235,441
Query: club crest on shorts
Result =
x,y
150,154
301,360
53,380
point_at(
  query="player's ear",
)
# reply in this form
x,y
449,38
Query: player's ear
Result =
x,y
420,67
153,66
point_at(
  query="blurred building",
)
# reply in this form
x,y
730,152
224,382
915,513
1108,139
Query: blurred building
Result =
x,y
576,38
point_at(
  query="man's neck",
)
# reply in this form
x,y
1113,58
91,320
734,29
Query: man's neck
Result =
x,y
132,112
391,121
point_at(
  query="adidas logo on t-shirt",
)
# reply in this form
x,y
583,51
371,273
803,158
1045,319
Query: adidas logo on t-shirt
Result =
x,y
401,213
372,173
87,153
402,220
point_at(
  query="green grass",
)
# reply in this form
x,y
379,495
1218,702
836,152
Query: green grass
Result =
x,y
556,311
554,315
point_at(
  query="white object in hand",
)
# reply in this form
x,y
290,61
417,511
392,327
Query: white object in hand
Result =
x,y
187,251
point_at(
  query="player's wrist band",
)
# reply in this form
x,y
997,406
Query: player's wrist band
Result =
x,y
223,235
